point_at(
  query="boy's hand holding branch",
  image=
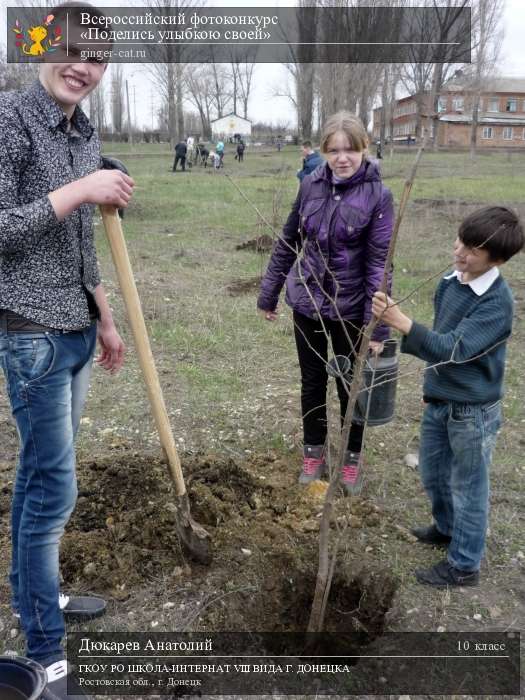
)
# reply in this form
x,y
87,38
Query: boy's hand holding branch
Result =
x,y
388,311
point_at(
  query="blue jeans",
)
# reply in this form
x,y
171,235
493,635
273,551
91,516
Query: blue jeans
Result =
x,y
47,376
457,441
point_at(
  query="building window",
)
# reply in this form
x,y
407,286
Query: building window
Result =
x,y
457,104
507,133
493,104
524,134
442,104
511,104
487,132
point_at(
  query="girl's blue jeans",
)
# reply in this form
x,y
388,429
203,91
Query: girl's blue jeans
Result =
x,y
457,440
47,377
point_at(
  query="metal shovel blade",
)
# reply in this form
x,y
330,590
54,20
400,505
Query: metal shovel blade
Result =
x,y
194,538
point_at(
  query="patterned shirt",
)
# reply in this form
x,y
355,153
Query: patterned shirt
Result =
x,y
46,265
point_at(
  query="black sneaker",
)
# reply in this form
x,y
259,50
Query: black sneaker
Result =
x,y
431,535
444,574
61,685
78,608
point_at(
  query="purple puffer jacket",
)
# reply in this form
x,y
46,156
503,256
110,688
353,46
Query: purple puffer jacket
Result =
x,y
343,231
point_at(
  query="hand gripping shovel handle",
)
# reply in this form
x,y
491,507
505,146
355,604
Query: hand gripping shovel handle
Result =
x,y
188,529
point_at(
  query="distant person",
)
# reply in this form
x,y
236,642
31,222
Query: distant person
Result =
x,y
190,146
311,159
379,152
203,154
240,151
219,150
342,219
462,389
181,150
279,144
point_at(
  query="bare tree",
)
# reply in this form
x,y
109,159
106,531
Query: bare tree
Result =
x,y
415,78
449,29
14,76
302,68
221,95
168,73
245,74
331,76
389,82
117,96
487,42
199,86
97,104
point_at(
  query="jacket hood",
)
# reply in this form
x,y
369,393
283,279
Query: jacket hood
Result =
x,y
368,172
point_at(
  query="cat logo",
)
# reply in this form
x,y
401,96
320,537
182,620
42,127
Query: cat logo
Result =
x,y
38,40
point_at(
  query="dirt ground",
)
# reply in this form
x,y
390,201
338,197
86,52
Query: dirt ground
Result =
x,y
123,535
231,386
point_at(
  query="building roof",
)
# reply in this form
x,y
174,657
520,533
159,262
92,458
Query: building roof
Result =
x,y
508,85
231,114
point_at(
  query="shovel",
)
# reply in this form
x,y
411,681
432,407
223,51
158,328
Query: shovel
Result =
x,y
195,539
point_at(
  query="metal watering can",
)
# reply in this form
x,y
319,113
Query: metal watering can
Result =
x,y
377,399
21,678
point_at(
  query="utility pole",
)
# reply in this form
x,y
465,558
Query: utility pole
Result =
x,y
130,135
152,111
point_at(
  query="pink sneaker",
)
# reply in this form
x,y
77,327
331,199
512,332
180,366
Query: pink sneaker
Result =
x,y
313,464
351,473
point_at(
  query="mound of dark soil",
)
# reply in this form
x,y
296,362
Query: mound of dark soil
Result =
x,y
264,534
244,286
261,244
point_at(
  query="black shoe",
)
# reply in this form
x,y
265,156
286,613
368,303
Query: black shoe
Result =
x,y
444,574
78,608
431,535
81,608
59,681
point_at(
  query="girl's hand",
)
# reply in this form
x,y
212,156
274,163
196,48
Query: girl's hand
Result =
x,y
268,315
376,347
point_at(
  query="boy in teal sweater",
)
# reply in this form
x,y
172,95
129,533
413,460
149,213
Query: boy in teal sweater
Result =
x,y
462,390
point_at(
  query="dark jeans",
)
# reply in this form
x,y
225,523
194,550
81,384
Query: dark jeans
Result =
x,y
182,162
312,348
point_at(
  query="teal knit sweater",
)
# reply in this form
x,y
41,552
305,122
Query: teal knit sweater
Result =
x,y
469,334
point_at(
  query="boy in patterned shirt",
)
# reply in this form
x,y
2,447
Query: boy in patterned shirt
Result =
x,y
52,310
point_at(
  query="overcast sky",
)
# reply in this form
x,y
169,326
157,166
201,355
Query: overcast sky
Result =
x,y
270,77
265,106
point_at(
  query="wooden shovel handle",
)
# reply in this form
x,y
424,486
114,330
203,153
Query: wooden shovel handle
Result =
x,y
128,288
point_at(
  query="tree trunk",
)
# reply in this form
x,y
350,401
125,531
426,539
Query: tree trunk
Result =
x,y
234,95
171,104
384,103
474,125
305,98
180,108
437,79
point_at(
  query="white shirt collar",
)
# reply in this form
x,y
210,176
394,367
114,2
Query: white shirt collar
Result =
x,y
480,284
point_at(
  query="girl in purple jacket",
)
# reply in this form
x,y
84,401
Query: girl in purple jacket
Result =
x,y
331,254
